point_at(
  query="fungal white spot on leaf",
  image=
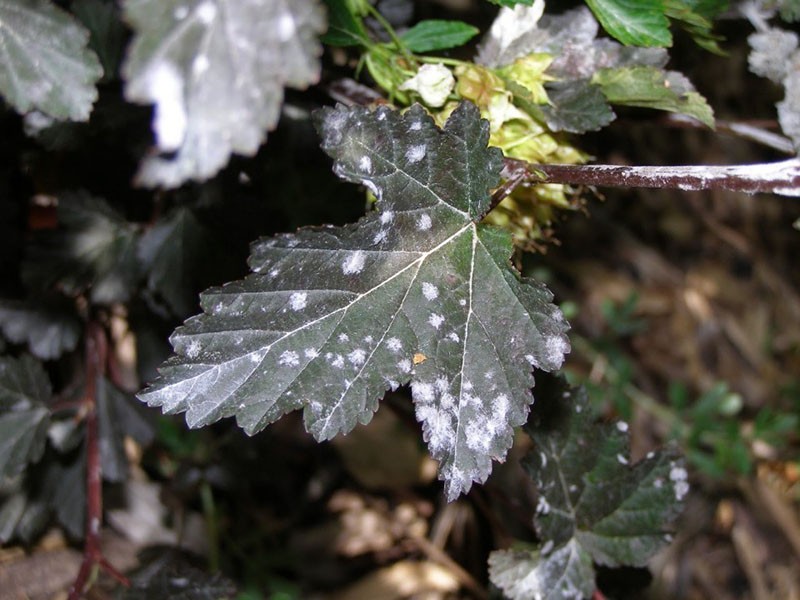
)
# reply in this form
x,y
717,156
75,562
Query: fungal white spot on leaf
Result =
x,y
289,358
416,153
430,291
353,263
365,164
436,320
394,344
386,217
297,301
404,366
357,357
424,223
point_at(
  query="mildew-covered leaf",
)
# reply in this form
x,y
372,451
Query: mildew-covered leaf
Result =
x,y
45,64
594,507
215,70
417,292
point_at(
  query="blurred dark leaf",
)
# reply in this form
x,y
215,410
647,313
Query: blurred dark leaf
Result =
x,y
48,324
118,416
24,388
64,486
576,106
176,253
94,248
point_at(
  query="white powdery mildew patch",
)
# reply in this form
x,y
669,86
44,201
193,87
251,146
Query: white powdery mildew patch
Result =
x,y
424,222
404,365
439,422
297,301
354,263
679,476
423,392
462,302
180,13
193,349
555,348
274,273
289,358
415,126
206,12
416,153
368,339
430,291
165,88
365,164
436,320
394,344
338,361
379,237
453,337
200,64
286,27
387,217
311,352
343,337
357,357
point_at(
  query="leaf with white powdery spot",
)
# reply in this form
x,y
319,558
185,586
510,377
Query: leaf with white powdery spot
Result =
x,y
333,317
215,70
593,506
45,64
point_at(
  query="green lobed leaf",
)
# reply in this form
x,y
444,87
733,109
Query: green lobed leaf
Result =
x,y
215,70
649,87
344,29
24,388
633,22
594,507
417,292
435,34
696,18
94,248
44,60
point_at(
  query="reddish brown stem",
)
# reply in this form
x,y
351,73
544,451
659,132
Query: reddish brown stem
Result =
x,y
96,361
779,177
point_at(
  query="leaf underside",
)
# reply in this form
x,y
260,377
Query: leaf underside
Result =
x,y
417,292
215,70
593,506
45,64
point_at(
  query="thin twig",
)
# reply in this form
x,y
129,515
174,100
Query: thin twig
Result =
x,y
96,361
754,131
779,177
